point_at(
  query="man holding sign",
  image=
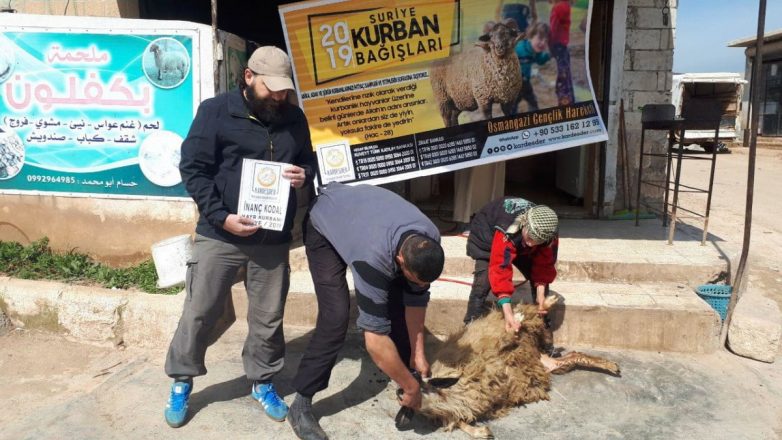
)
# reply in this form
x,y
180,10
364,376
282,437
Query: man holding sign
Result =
x,y
254,125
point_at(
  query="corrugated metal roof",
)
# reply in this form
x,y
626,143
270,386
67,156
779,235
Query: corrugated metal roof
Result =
x,y
750,41
717,77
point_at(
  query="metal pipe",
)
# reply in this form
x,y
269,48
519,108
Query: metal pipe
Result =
x,y
711,183
757,78
640,175
215,48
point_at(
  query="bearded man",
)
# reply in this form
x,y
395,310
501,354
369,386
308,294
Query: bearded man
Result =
x,y
256,122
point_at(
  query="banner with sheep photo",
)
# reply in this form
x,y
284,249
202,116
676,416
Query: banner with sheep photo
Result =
x,y
94,113
401,89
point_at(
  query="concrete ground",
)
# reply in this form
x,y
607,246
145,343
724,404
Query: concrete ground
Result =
x,y
54,388
726,221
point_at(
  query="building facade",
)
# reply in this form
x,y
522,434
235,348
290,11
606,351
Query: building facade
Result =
x,y
631,44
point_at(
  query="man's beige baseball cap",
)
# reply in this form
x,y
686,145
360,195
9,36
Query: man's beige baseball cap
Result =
x,y
273,66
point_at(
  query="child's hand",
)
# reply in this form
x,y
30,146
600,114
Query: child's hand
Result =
x,y
511,325
540,298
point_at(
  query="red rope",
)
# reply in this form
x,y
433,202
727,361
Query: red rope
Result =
x,y
466,283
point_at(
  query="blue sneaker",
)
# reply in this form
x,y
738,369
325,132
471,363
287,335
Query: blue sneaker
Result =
x,y
274,406
176,408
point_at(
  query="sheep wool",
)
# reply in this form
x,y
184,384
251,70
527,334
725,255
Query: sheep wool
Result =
x,y
490,371
481,76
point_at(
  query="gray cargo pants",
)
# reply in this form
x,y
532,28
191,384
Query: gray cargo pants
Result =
x,y
210,273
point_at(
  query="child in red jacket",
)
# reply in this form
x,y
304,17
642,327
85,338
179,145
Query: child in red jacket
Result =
x,y
505,233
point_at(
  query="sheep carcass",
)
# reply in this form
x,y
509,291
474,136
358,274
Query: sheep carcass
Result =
x,y
495,371
481,76
168,62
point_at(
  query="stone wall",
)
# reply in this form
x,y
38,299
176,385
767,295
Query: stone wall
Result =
x,y
79,8
646,79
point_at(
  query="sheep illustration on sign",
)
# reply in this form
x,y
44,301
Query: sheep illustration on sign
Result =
x,y
166,63
481,76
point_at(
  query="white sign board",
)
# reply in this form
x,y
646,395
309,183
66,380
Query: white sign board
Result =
x,y
263,195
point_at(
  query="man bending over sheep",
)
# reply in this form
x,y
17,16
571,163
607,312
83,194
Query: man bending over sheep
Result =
x,y
394,252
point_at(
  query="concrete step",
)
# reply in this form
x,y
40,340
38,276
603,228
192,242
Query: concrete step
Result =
x,y
601,260
656,317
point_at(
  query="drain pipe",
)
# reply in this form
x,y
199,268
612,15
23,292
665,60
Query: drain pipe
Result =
x,y
217,50
757,73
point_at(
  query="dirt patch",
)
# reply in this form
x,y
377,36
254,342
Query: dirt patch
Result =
x,y
5,323
39,370
47,320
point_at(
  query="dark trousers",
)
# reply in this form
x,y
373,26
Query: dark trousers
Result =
x,y
564,85
526,94
481,287
331,289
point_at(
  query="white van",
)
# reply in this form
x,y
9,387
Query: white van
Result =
x,y
726,88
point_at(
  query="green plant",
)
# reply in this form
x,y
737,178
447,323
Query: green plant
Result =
x,y
37,261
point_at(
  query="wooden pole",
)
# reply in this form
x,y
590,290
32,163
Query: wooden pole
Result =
x,y
757,79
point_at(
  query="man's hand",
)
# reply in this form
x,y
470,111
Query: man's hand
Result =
x,y
411,397
421,365
383,352
240,226
296,175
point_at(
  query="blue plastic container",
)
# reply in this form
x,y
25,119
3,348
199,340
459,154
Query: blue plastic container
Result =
x,y
717,296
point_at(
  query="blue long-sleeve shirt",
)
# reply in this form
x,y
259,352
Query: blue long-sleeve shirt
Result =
x,y
527,56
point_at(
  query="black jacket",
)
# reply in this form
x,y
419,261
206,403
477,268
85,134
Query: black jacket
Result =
x,y
222,134
497,213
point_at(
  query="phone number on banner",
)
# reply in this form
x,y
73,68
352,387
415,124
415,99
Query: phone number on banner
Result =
x,y
51,179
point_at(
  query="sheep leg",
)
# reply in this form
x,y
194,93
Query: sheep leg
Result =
x,y
574,360
449,113
473,431
486,109
453,117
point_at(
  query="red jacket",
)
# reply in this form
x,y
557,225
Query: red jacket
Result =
x,y
560,23
504,251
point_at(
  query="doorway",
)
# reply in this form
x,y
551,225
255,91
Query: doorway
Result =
x,y
771,103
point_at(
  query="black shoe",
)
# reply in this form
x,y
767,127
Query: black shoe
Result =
x,y
552,351
304,424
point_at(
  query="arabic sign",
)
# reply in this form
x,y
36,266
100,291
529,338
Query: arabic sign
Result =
x,y
263,195
90,113
395,89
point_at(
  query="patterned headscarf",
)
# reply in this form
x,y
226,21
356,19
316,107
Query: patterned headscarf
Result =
x,y
542,223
